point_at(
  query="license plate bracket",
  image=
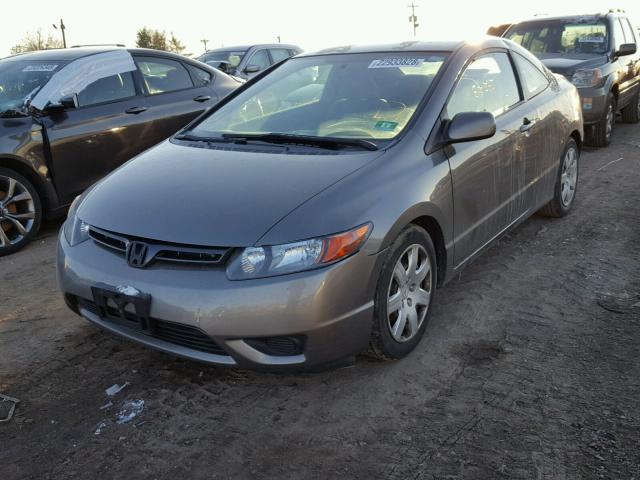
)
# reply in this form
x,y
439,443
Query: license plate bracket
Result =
x,y
132,311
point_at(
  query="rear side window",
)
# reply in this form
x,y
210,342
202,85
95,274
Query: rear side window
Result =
x,y
108,89
202,77
279,54
487,85
534,80
162,75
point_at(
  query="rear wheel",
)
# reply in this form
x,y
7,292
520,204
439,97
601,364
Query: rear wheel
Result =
x,y
602,131
20,211
404,294
631,113
566,183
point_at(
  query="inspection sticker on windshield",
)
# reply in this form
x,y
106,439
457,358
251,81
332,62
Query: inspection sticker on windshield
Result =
x,y
397,62
591,39
40,68
385,126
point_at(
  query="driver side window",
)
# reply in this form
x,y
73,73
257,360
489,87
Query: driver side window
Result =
x,y
487,85
260,59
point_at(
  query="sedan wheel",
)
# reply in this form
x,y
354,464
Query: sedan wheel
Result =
x,y
404,294
569,178
409,293
20,212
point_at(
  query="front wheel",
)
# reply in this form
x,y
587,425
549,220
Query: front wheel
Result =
x,y
20,211
404,294
566,183
631,113
601,132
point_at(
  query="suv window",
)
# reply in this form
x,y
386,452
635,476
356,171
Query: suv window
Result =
x,y
564,36
261,59
108,89
202,77
487,85
628,31
279,54
534,80
162,75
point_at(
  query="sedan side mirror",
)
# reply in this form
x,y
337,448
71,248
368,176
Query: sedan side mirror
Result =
x,y
65,103
470,126
626,49
252,69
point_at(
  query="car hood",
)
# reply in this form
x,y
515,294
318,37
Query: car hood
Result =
x,y
212,197
567,65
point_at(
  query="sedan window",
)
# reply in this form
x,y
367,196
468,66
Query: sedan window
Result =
x,y
279,54
162,75
261,59
201,76
108,89
535,81
487,85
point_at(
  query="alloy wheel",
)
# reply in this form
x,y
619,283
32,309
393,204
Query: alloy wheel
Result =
x,y
569,177
609,122
17,211
409,293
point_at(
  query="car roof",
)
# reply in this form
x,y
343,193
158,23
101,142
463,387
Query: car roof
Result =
x,y
586,17
412,46
257,45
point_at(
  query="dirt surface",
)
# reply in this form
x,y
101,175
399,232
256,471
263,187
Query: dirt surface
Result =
x,y
529,369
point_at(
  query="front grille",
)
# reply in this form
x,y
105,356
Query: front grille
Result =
x,y
160,251
171,332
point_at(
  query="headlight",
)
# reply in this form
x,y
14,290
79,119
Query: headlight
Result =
x,y
587,78
75,230
259,262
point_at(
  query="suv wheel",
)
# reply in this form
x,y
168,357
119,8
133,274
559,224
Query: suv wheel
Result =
x,y
631,113
404,294
566,183
602,131
20,211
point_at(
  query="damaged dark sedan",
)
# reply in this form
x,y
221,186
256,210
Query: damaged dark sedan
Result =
x,y
314,213
70,116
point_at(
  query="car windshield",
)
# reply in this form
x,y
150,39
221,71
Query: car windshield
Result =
x,y
569,37
225,60
361,96
21,79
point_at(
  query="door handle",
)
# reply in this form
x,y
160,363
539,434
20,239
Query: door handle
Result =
x,y
527,124
135,110
202,98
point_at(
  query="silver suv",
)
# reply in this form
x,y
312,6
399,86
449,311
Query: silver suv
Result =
x,y
598,54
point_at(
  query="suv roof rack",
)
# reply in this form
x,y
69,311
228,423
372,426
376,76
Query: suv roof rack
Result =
x,y
100,45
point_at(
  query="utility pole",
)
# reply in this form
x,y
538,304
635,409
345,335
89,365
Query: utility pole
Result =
x,y
62,29
204,41
413,18
279,39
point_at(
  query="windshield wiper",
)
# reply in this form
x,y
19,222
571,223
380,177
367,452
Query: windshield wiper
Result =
x,y
194,138
325,142
13,113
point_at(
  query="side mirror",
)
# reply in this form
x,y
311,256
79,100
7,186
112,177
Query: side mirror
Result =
x,y
626,49
65,103
470,126
252,69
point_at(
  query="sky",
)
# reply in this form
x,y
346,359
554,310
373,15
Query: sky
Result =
x,y
310,24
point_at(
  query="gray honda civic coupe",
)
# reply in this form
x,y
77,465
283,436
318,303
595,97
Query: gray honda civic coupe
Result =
x,y
313,213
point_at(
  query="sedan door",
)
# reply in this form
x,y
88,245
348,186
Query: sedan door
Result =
x,y
487,175
176,93
106,129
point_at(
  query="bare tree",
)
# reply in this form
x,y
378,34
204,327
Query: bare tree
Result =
x,y
36,41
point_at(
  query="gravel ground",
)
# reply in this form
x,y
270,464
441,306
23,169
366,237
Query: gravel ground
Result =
x,y
529,369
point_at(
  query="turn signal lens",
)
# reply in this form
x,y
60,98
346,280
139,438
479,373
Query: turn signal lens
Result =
x,y
344,244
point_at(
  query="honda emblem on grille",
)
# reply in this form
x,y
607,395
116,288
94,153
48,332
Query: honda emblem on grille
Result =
x,y
137,254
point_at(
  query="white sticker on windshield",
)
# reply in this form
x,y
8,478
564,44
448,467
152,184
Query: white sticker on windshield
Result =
x,y
396,62
40,68
591,39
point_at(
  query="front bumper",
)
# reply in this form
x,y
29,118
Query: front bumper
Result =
x,y
593,102
329,309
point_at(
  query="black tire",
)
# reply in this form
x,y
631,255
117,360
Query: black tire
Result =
x,y
382,344
34,205
600,135
557,207
631,113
